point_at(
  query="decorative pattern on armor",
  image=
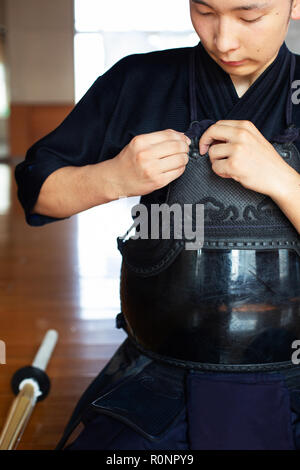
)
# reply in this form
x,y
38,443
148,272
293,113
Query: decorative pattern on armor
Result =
x,y
232,212
247,219
234,217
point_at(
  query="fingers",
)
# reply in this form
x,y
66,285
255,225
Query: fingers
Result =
x,y
145,140
226,131
237,123
167,177
216,132
173,162
220,167
243,124
219,151
162,150
169,148
223,160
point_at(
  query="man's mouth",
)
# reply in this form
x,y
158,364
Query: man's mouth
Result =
x,y
233,63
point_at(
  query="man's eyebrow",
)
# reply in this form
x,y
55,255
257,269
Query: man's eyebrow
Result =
x,y
252,6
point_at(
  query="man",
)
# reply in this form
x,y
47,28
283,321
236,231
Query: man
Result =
x,y
207,361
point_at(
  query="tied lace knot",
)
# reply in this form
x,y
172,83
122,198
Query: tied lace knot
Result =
x,y
195,131
197,128
290,134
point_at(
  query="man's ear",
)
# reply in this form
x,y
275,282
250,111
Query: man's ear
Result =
x,y
295,14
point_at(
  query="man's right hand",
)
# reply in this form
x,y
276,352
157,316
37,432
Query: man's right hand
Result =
x,y
149,162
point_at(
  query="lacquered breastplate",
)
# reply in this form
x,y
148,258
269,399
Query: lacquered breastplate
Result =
x,y
220,304
236,300
223,306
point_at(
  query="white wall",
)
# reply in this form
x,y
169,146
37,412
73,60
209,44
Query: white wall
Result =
x,y
40,50
40,55
293,37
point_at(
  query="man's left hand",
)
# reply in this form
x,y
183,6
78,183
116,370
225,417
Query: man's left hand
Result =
x,y
238,150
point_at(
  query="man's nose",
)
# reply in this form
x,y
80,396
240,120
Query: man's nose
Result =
x,y
225,37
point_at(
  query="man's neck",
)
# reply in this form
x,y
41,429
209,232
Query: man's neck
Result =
x,y
242,84
240,88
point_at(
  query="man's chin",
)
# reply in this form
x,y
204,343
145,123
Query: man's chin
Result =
x,y
241,70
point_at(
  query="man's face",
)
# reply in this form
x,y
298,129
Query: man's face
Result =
x,y
253,34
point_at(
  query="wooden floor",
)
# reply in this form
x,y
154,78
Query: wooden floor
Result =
x,y
64,275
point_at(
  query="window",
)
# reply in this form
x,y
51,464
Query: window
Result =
x,y
106,31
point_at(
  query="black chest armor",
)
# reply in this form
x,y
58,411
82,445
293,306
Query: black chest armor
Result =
x,y
234,217
236,300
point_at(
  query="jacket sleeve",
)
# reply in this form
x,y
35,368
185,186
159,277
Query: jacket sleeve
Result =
x,y
75,142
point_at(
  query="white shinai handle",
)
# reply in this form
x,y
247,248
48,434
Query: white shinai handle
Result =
x,y
44,353
24,403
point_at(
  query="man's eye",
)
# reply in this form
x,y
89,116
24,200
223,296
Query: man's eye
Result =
x,y
251,21
246,21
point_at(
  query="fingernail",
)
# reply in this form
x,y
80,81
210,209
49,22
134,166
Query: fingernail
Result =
x,y
203,149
